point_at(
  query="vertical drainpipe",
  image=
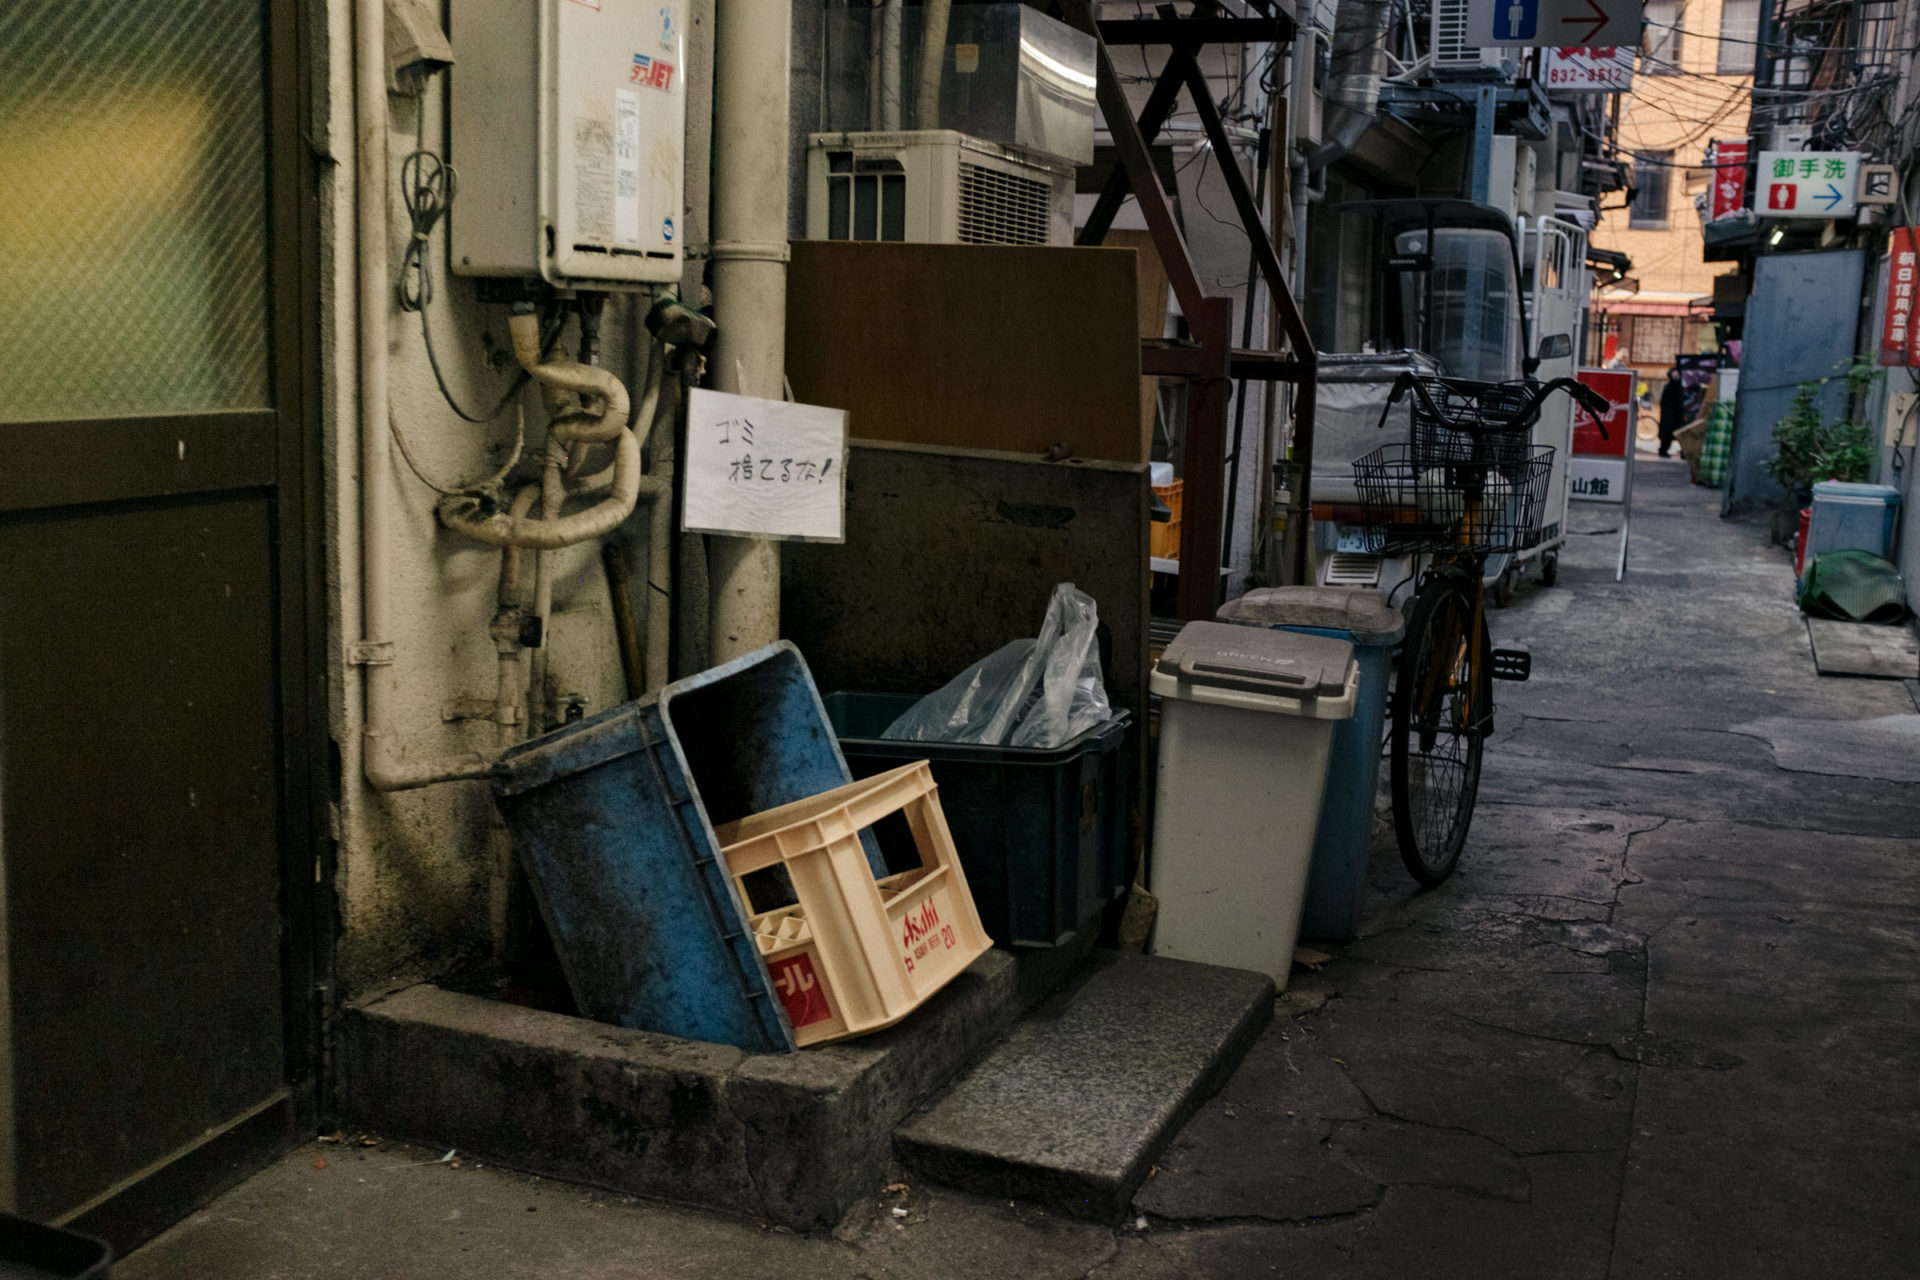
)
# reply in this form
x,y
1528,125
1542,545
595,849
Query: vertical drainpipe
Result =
x,y
752,46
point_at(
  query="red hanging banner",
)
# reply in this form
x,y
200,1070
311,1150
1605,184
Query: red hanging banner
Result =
x,y
1729,161
1900,338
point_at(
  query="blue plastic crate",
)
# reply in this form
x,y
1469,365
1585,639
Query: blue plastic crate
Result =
x,y
613,818
1041,832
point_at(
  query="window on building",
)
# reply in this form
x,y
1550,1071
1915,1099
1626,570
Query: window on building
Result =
x,y
1652,176
1739,34
1662,47
1655,340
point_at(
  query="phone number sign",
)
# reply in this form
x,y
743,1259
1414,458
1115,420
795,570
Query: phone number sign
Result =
x,y
1581,68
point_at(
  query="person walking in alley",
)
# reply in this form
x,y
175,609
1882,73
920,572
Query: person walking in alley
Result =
x,y
1673,410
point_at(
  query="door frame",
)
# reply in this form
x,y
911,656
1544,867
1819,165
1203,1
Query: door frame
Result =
x,y
277,451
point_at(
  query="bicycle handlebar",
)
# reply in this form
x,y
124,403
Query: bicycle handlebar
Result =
x,y
1586,397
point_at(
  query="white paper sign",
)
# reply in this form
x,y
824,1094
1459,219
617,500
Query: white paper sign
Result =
x,y
1594,479
765,468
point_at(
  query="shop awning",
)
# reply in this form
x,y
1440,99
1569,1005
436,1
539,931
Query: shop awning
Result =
x,y
1637,307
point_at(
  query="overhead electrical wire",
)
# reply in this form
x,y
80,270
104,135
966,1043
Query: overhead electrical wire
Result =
x,y
1789,49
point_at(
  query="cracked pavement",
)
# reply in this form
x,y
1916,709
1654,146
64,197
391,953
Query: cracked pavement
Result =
x,y
1660,1023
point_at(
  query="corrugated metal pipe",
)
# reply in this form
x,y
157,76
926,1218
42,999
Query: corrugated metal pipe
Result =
x,y
1352,98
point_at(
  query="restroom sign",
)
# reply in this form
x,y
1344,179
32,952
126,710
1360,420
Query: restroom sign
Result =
x,y
1552,24
1807,184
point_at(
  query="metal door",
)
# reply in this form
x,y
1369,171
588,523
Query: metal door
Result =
x,y
158,689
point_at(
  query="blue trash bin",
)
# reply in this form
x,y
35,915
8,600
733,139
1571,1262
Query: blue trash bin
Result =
x,y
1337,880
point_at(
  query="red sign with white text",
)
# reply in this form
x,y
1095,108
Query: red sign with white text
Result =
x,y
1617,386
801,994
1899,338
1729,161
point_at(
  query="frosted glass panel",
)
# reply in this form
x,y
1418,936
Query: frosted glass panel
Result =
x,y
133,220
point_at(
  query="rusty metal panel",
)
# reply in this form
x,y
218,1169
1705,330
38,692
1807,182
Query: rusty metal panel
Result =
x,y
970,346
139,829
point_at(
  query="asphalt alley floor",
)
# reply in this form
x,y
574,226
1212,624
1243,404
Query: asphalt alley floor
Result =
x,y
1662,1022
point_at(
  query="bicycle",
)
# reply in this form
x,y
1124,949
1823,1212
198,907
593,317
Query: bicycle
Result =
x,y
1469,483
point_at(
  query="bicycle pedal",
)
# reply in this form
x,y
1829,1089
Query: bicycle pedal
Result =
x,y
1512,664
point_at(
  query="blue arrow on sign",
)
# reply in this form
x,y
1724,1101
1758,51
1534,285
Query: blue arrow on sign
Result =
x,y
1832,196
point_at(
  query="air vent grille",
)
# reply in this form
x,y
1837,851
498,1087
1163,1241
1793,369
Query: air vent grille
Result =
x,y
1353,569
1450,48
1002,208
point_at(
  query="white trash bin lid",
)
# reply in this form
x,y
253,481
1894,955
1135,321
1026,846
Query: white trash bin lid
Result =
x,y
1279,671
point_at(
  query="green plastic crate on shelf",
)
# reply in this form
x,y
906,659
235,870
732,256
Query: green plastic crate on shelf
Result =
x,y
1041,832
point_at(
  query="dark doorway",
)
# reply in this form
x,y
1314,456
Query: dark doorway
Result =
x,y
160,697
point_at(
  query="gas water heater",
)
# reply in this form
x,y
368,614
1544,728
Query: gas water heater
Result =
x,y
568,130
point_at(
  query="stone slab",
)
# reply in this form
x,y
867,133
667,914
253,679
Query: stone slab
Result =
x,y
1885,747
1862,649
1074,1105
792,1139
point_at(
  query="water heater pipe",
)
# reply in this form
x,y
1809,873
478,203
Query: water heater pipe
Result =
x,y
381,760
752,44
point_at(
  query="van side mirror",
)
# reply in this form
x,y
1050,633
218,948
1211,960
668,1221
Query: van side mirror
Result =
x,y
1556,346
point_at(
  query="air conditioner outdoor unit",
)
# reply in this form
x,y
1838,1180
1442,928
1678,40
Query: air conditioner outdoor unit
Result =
x,y
1454,58
935,186
1788,137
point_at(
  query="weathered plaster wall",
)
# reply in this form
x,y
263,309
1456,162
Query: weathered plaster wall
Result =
x,y
422,877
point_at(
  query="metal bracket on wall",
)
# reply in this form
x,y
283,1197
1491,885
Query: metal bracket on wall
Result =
x,y
1209,363
370,653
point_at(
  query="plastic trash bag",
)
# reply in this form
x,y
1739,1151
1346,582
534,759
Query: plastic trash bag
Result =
x,y
1030,693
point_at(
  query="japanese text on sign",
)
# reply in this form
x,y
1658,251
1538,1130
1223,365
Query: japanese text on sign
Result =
x,y
1729,164
1807,184
1899,341
765,468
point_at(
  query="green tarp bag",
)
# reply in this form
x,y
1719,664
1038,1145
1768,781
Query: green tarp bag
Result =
x,y
1853,586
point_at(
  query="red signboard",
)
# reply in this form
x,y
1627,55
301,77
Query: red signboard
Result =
x,y
1729,161
1617,386
1900,338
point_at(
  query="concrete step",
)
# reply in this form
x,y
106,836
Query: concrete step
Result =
x,y
1074,1105
789,1138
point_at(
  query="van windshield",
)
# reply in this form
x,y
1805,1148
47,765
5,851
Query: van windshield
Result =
x,y
1465,313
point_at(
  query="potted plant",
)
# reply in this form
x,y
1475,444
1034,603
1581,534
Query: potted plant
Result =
x,y
1808,448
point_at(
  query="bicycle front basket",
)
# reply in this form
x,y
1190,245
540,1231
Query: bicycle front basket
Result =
x,y
1415,505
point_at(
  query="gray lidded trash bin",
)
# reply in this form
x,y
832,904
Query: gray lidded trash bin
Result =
x,y
1337,882
1246,722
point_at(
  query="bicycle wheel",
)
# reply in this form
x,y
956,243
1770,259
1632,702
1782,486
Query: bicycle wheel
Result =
x,y
1440,724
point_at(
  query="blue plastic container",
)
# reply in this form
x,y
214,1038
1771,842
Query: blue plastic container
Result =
x,y
1041,831
1337,879
613,818
1851,517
